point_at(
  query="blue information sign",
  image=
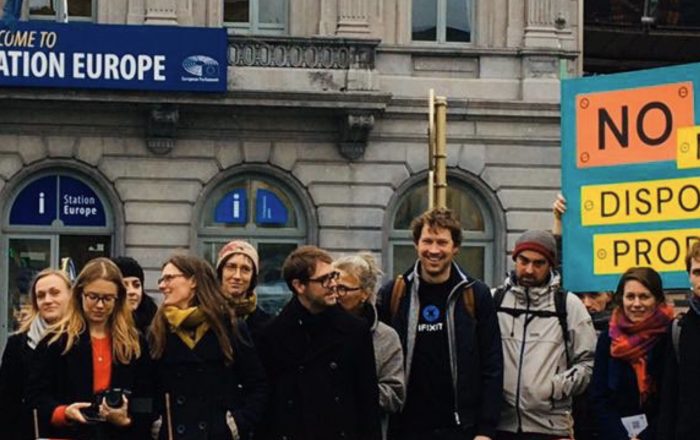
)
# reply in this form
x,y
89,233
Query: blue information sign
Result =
x,y
270,210
36,204
98,56
232,208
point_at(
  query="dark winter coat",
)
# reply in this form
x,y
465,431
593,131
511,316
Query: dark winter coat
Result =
x,y
614,393
202,388
474,344
57,379
256,321
680,394
144,313
322,374
15,416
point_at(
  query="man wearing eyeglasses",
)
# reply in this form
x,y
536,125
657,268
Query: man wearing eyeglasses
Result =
x,y
447,324
548,344
319,360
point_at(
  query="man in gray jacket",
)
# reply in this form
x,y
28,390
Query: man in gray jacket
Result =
x,y
548,344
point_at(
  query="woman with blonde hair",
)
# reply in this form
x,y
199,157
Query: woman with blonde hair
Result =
x,y
210,383
49,296
356,289
91,375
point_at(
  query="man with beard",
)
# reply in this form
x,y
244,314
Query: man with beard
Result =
x,y
678,419
319,360
449,332
548,344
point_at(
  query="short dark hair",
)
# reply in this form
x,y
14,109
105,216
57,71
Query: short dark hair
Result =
x,y
437,218
301,264
693,254
648,277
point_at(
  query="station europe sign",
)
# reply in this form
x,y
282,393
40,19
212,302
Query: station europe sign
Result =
x,y
630,166
100,56
57,198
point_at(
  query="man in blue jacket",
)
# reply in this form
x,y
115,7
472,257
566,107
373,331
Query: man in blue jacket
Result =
x,y
449,331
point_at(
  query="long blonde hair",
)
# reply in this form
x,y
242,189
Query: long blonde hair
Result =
x,y
125,336
34,310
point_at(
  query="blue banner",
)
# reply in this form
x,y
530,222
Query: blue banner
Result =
x,y
232,208
86,55
270,210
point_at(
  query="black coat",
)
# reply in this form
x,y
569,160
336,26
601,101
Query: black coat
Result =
x,y
202,388
256,321
57,379
322,374
15,416
614,394
680,394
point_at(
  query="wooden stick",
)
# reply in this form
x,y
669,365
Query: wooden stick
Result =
x,y
168,417
36,424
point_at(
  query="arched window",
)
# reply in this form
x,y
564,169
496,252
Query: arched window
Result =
x,y
265,211
477,252
53,219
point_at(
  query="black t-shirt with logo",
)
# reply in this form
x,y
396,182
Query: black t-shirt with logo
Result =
x,y
430,397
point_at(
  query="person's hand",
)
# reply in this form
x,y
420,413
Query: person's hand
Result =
x,y
482,437
116,416
73,413
559,206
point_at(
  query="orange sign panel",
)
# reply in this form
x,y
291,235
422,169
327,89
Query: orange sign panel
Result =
x,y
631,126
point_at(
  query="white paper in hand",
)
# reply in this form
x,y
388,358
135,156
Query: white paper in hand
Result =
x,y
635,424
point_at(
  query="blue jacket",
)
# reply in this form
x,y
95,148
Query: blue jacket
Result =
x,y
614,393
476,357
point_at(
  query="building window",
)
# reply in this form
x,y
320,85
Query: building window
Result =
x,y
53,220
476,254
442,21
256,16
62,10
265,212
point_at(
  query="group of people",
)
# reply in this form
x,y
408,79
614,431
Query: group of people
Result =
x,y
432,354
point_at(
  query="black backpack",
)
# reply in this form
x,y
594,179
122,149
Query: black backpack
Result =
x,y
559,312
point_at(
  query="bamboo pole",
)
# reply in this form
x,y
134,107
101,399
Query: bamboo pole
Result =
x,y
431,149
441,152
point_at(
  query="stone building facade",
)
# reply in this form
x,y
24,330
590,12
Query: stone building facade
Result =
x,y
327,111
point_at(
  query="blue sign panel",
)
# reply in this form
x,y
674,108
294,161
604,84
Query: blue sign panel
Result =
x,y
85,55
51,197
269,209
79,204
232,208
36,203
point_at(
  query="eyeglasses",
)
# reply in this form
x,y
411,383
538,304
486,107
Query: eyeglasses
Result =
x,y
94,298
167,279
343,290
325,280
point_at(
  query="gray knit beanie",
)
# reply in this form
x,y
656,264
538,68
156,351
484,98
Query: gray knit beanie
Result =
x,y
542,242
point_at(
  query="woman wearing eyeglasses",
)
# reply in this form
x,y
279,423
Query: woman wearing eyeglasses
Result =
x,y
91,376
49,297
356,290
210,384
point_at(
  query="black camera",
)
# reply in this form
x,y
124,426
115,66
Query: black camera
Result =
x,y
114,397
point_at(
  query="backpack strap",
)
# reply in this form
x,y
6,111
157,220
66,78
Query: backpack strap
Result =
x,y
498,296
469,301
397,292
563,316
676,338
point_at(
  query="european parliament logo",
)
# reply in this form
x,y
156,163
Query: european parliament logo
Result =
x,y
201,68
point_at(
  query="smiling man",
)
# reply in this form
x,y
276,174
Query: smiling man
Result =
x,y
449,331
548,344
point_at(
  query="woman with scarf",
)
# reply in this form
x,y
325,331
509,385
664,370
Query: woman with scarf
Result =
x,y
237,269
356,290
90,377
49,297
629,357
210,384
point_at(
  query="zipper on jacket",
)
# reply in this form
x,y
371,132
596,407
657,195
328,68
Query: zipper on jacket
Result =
x,y
451,342
520,361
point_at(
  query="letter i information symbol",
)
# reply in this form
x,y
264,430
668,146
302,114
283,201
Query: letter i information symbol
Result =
x,y
236,206
41,203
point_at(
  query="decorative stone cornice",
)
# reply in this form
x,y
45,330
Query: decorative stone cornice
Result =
x,y
161,128
354,134
305,53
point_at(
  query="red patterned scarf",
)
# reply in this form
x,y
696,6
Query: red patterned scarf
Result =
x,y
632,342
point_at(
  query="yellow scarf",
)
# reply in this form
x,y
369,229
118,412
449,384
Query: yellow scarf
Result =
x,y
189,324
244,305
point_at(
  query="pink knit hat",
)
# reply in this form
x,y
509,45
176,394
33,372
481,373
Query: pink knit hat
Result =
x,y
238,247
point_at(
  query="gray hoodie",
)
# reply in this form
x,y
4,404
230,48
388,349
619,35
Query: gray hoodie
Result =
x,y
538,385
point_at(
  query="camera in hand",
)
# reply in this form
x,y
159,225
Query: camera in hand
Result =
x,y
114,397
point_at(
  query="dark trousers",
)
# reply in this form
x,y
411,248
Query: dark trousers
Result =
x,y
456,433
502,435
